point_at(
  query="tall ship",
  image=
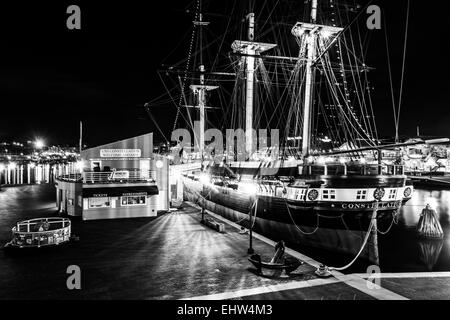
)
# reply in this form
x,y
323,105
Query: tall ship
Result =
x,y
309,182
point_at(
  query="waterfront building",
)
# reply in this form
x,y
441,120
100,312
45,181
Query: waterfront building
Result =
x,y
123,179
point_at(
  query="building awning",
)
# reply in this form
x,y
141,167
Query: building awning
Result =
x,y
120,191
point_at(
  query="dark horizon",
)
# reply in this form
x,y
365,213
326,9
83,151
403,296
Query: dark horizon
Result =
x,y
51,78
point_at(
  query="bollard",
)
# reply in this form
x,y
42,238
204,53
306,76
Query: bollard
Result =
x,y
429,226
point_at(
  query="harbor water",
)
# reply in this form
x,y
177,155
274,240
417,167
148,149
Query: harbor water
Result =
x,y
400,248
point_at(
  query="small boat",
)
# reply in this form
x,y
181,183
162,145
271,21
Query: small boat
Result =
x,y
40,233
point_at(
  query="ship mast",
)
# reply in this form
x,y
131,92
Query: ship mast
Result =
x,y
309,89
249,51
311,31
200,90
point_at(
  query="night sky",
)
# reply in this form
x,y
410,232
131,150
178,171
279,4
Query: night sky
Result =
x,y
51,78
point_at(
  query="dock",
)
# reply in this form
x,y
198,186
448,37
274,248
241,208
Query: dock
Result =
x,y
440,182
175,257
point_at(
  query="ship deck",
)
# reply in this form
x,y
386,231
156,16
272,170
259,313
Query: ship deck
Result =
x,y
173,256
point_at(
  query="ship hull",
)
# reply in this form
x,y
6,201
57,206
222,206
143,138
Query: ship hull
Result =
x,y
334,230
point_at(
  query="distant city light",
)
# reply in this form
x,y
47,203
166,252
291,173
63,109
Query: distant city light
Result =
x,y
39,144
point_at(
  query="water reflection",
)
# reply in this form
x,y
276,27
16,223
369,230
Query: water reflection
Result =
x,y
403,251
429,252
31,173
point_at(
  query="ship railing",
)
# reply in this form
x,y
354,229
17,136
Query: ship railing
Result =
x,y
352,169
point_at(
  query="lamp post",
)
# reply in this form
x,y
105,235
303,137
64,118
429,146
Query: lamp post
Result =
x,y
204,204
204,179
254,208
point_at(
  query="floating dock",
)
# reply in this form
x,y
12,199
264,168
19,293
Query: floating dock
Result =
x,y
439,182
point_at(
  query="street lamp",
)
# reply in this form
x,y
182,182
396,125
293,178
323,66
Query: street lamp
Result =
x,y
39,144
251,189
204,179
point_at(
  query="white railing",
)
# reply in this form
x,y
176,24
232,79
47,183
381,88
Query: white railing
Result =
x,y
116,176
119,176
41,232
72,177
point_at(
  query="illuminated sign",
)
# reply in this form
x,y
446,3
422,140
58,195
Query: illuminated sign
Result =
x,y
120,153
120,175
99,195
134,194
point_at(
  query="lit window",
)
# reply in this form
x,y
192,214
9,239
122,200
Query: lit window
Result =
x,y
361,195
329,194
301,194
99,203
133,201
393,194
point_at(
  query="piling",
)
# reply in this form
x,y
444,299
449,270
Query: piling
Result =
x,y
429,226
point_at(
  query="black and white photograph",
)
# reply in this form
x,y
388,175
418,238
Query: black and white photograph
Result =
x,y
225,155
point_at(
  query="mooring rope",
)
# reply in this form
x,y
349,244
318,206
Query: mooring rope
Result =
x,y
390,227
366,240
298,228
